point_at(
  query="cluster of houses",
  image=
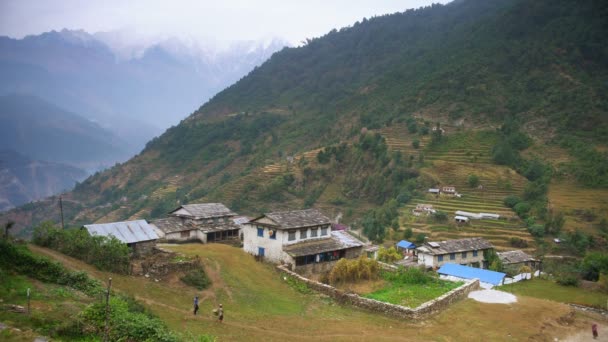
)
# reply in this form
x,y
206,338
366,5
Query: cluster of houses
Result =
x,y
306,240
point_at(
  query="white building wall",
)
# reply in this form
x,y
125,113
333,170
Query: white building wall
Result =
x,y
273,250
425,259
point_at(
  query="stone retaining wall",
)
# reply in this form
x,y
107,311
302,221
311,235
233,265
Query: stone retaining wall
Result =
x,y
422,311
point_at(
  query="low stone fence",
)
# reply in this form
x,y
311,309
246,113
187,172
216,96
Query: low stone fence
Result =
x,y
424,310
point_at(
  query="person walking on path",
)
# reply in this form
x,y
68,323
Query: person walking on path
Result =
x,y
195,305
594,330
220,314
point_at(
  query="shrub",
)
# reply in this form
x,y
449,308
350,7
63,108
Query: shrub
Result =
x,y
522,209
567,280
517,242
408,233
125,325
196,278
416,143
388,254
511,201
420,237
19,259
440,216
537,230
109,254
473,181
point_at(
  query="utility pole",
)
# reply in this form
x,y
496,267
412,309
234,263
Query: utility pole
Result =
x,y
61,210
28,300
105,334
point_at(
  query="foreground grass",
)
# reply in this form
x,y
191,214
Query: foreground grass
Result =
x,y
547,289
261,306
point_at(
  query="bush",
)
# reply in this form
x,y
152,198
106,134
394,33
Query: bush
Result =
x,y
389,254
567,280
537,230
125,325
440,216
473,181
196,278
511,201
416,143
420,237
109,254
522,209
408,233
517,242
19,259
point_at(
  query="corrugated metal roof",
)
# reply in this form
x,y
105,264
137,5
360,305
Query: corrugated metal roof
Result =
x,y
405,244
466,272
127,232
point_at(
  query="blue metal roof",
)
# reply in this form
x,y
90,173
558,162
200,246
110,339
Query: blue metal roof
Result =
x,y
127,232
405,244
466,272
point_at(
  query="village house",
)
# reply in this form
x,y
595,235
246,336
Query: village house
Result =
x,y
513,261
139,236
425,209
406,247
467,252
300,238
204,222
448,190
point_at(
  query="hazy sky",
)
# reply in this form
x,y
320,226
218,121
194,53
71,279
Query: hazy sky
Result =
x,y
223,20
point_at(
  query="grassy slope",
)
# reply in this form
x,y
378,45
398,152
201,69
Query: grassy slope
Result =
x,y
259,305
546,289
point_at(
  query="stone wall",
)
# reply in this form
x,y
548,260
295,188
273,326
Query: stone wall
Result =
x,y
161,263
399,311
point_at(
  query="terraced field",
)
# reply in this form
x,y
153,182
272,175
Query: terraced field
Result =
x,y
582,207
451,163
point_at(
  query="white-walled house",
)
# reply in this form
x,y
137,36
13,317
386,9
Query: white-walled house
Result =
x,y
466,252
204,222
300,238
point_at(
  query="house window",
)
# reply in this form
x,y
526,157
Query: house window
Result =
x,y
474,253
323,231
314,232
292,236
440,258
261,232
272,234
464,255
261,251
452,256
185,234
303,234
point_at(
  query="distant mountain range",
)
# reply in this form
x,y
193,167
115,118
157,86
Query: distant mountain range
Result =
x,y
23,180
40,130
135,91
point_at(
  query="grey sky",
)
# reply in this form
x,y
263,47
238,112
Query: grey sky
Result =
x,y
221,20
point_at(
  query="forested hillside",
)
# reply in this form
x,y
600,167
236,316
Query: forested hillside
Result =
x,y
346,121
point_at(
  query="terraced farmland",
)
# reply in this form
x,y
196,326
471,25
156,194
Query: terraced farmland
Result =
x,y
582,207
451,163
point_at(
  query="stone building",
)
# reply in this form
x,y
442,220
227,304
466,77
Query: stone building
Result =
x,y
204,222
300,238
467,252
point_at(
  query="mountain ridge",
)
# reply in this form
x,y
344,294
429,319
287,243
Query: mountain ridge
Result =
x,y
468,66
